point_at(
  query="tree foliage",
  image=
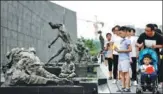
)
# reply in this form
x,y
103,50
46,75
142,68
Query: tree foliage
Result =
x,y
91,45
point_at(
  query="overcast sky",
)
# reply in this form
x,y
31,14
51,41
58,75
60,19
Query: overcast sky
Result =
x,y
137,13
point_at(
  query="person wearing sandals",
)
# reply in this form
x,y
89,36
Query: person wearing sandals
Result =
x,y
124,59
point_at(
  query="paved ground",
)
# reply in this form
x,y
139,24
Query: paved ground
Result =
x,y
109,87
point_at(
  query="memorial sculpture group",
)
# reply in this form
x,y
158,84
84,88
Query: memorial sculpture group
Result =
x,y
25,68
78,50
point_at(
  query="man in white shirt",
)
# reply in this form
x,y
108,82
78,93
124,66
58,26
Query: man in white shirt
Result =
x,y
116,42
133,39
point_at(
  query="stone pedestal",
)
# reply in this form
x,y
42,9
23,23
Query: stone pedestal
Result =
x,y
90,87
81,70
53,70
42,90
2,79
90,84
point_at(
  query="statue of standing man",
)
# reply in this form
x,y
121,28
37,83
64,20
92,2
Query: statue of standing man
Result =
x,y
101,38
102,44
65,38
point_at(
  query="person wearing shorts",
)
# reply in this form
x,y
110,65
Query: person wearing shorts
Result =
x,y
124,59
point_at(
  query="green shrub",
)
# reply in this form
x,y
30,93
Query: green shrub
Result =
x,y
91,45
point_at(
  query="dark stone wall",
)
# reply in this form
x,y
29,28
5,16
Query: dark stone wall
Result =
x,y
25,24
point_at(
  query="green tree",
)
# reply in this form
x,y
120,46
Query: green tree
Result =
x,y
91,45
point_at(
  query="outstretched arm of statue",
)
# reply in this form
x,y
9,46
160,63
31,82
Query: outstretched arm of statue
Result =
x,y
42,72
56,54
54,41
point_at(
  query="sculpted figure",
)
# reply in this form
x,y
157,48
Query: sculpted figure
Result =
x,y
101,38
65,38
87,56
28,70
81,49
13,57
68,68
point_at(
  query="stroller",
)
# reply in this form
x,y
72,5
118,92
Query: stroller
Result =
x,y
152,86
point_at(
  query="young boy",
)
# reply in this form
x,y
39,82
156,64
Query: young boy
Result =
x,y
148,73
124,59
68,68
147,68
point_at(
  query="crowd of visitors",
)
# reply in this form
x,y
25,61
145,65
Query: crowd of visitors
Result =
x,y
121,52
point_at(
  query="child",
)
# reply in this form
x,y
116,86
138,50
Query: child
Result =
x,y
147,69
124,59
68,68
109,58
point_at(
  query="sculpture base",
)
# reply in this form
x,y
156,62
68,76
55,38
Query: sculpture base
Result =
x,y
42,90
90,84
81,71
54,70
102,81
90,87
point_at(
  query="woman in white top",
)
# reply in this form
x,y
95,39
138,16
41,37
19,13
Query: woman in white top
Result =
x,y
116,42
133,39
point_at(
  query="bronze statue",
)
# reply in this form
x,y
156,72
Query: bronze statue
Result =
x,y
66,47
26,69
68,68
101,40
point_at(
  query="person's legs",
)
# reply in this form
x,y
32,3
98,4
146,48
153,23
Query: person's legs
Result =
x,y
115,63
159,69
127,80
122,76
161,73
133,67
123,79
62,75
143,77
106,61
101,58
110,61
72,75
125,65
153,76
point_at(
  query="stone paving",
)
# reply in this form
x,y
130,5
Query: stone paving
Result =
x,y
110,88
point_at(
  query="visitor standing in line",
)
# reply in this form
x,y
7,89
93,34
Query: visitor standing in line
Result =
x,y
145,40
109,54
133,39
124,59
116,42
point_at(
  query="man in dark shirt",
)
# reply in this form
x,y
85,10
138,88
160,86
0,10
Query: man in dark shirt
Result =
x,y
150,36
